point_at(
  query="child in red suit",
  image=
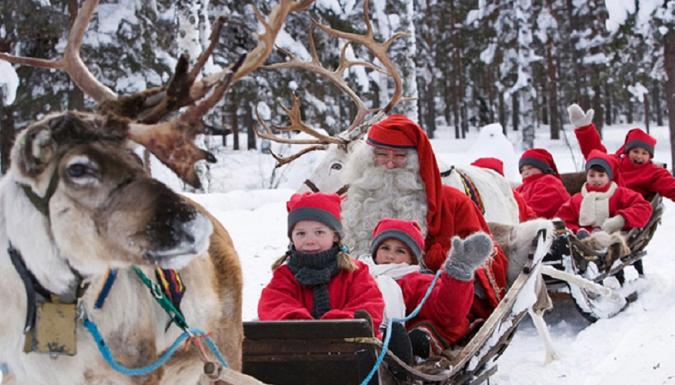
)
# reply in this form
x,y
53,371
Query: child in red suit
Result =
x,y
525,212
634,157
396,247
542,187
602,203
316,279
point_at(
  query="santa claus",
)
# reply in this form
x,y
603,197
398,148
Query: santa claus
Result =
x,y
395,174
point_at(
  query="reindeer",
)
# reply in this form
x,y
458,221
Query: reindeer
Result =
x,y
77,206
491,192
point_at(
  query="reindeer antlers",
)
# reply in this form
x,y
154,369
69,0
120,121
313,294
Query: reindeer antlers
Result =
x,y
171,141
359,124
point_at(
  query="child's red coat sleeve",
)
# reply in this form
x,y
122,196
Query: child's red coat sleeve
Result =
x,y
280,299
569,212
663,183
636,210
589,139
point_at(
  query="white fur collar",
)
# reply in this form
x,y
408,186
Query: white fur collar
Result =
x,y
594,208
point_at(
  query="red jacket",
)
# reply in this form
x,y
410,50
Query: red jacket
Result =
x,y
525,212
460,216
446,309
644,178
625,202
544,193
284,298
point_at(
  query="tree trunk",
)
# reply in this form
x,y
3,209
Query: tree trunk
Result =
x,y
646,104
249,122
669,64
551,73
515,111
502,112
608,106
234,119
657,103
7,134
430,117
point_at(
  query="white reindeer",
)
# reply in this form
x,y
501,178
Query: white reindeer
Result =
x,y
77,204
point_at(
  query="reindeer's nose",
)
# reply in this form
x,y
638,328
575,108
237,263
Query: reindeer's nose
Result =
x,y
184,239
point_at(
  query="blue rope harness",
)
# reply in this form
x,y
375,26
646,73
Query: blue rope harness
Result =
x,y
387,334
145,370
176,316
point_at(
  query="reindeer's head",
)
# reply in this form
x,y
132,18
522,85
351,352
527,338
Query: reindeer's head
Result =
x,y
103,208
326,175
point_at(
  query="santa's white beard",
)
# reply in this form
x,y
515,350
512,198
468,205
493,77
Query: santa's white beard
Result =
x,y
378,193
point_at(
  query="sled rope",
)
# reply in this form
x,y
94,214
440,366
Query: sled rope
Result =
x,y
387,334
145,370
195,335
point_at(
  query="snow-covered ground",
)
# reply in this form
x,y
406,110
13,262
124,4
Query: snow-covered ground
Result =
x,y
634,347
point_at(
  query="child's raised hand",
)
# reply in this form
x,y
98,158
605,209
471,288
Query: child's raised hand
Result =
x,y
467,255
578,117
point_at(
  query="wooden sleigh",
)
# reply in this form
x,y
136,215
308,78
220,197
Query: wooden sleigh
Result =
x,y
343,352
580,271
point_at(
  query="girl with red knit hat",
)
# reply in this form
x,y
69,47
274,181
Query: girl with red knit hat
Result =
x,y
396,248
525,212
603,204
316,279
542,187
634,157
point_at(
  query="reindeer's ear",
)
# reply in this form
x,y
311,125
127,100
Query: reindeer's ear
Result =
x,y
35,149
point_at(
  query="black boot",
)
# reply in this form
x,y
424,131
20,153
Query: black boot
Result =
x,y
421,343
399,344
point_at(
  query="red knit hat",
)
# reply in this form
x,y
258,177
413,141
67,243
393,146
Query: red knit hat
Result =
x,y
638,138
397,131
606,162
408,232
320,207
539,158
491,163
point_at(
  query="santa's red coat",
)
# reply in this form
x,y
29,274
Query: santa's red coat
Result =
x,y
644,178
447,307
544,193
634,209
284,298
460,216
525,212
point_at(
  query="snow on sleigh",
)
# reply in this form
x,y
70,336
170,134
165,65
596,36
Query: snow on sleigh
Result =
x,y
591,271
343,352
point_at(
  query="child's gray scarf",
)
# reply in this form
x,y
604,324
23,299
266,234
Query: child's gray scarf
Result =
x,y
315,270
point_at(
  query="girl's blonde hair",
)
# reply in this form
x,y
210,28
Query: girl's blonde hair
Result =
x,y
344,260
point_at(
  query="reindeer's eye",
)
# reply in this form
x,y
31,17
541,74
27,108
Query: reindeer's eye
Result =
x,y
77,170
82,171
336,166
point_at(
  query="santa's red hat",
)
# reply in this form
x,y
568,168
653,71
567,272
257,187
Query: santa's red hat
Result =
x,y
491,163
320,207
638,138
539,158
408,232
604,161
397,131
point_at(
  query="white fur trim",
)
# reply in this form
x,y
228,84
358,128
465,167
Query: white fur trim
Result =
x,y
595,206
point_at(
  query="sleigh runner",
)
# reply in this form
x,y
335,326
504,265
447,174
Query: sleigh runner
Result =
x,y
575,268
342,352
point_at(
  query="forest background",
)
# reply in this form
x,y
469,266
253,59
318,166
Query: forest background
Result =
x,y
464,63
